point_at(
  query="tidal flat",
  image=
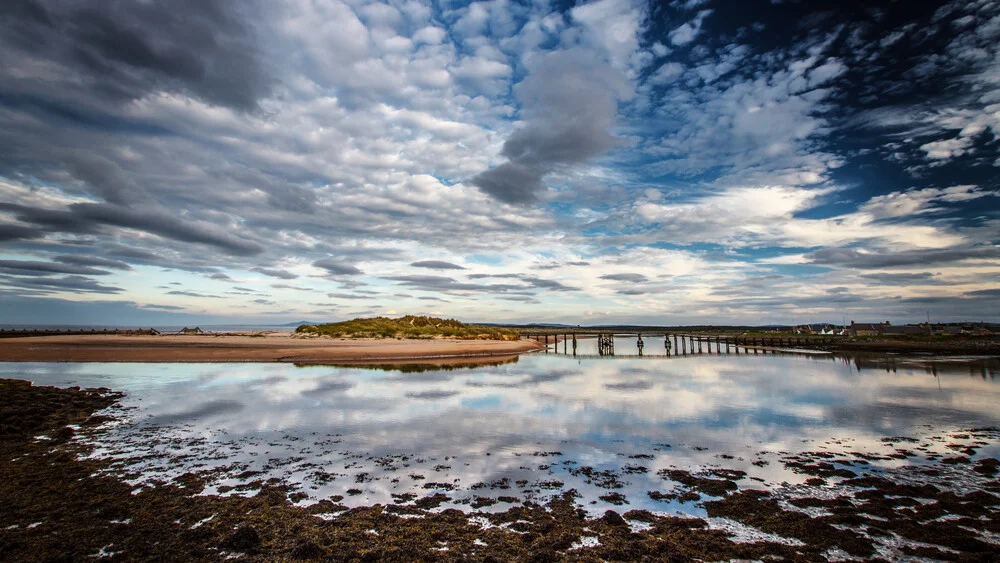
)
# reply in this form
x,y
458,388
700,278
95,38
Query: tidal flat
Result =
x,y
779,456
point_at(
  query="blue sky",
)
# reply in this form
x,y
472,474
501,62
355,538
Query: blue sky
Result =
x,y
694,161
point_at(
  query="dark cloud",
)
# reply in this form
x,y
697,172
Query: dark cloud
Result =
x,y
193,294
220,276
484,276
90,217
163,307
92,261
569,101
899,279
17,232
275,273
520,299
555,265
991,293
638,385
244,289
33,268
436,265
541,283
329,386
75,284
293,287
636,278
133,253
211,408
442,283
346,296
121,50
49,310
534,282
337,268
851,258
446,284
432,395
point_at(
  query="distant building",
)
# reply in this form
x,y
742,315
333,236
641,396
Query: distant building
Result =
x,y
867,329
905,330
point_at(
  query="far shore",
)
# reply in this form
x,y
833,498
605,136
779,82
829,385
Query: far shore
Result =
x,y
250,347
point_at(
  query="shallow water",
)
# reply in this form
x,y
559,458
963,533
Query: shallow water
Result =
x,y
530,428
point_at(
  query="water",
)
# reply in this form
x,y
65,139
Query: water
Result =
x,y
529,428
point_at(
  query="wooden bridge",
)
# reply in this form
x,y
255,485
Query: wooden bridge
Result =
x,y
682,344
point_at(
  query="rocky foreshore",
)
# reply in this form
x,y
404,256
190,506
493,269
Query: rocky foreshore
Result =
x,y
60,505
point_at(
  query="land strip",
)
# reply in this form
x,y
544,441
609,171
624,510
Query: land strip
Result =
x,y
257,347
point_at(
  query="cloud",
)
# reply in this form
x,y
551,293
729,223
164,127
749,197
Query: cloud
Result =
x,y
163,307
569,102
347,296
610,138
19,232
73,284
274,273
446,284
988,293
35,268
193,294
744,215
430,35
634,278
436,265
90,217
848,257
948,148
884,278
292,287
687,32
90,53
337,268
81,260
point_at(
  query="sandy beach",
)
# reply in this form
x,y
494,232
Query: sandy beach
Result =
x,y
261,347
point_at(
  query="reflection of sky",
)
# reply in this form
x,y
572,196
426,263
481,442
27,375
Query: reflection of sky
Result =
x,y
597,412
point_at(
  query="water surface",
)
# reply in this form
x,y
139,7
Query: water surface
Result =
x,y
529,428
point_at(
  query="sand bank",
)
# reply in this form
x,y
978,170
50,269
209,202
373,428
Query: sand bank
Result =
x,y
261,347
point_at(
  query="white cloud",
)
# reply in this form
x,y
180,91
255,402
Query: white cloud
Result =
x,y
768,215
613,27
689,31
949,148
430,35
668,72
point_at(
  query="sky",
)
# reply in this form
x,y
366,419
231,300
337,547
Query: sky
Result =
x,y
684,162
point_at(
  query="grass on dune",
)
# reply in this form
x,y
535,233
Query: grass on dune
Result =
x,y
409,327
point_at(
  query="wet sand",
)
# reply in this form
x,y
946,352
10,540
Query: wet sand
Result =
x,y
261,347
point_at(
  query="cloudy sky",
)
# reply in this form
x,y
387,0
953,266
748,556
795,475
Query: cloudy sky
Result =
x,y
694,161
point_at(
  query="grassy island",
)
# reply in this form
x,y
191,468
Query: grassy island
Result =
x,y
409,327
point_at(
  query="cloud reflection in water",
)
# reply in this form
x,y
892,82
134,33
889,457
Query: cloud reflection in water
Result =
x,y
466,426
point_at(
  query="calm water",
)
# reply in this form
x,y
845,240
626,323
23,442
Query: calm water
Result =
x,y
526,428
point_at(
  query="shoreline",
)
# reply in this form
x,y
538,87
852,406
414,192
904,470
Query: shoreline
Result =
x,y
257,347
